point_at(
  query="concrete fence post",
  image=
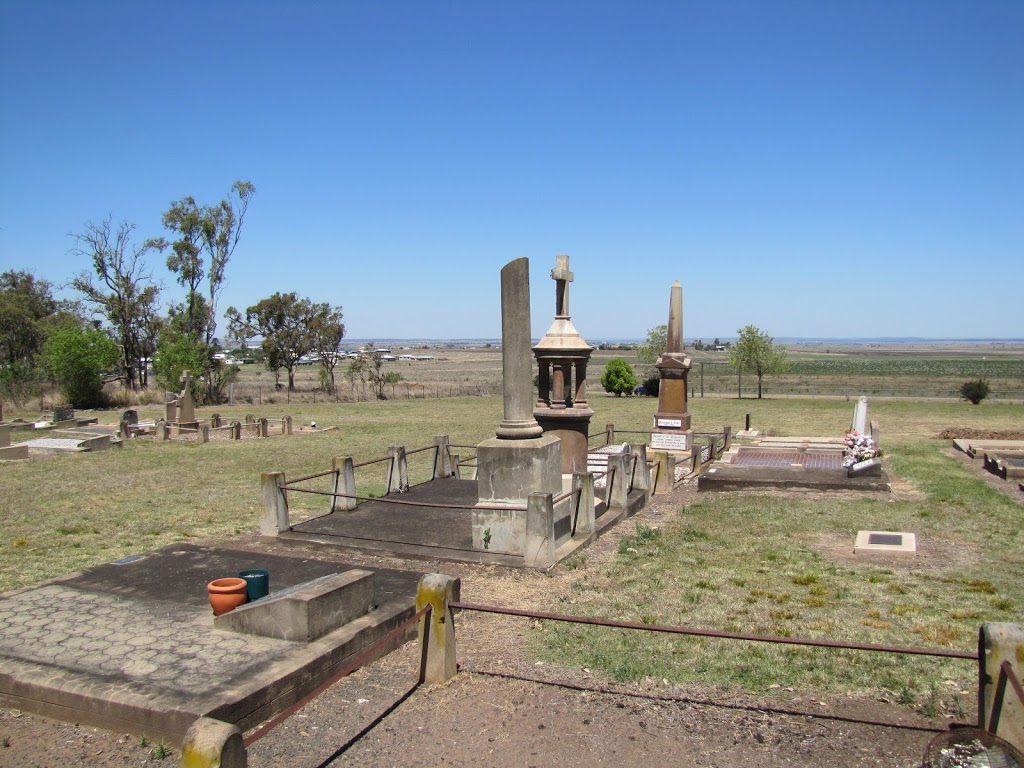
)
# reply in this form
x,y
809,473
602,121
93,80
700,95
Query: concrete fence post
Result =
x,y
539,550
583,505
264,429
212,743
215,420
437,631
204,433
666,472
344,482
455,467
275,504
398,469
287,428
236,430
641,480
616,489
163,430
609,434
442,457
999,642
727,433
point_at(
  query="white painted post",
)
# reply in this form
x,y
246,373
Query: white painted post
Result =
x,y
398,469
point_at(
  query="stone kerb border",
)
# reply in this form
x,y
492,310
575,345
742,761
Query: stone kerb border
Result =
x,y
551,522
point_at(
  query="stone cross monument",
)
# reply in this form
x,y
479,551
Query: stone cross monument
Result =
x,y
520,459
561,408
672,421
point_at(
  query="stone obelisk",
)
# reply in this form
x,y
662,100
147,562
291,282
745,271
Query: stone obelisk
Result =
x,y
672,421
520,459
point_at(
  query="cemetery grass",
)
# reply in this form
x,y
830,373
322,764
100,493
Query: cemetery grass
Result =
x,y
747,563
760,564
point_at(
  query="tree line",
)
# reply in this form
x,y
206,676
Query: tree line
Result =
x,y
114,329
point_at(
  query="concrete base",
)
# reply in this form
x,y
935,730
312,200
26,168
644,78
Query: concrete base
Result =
x,y
306,612
14,452
725,477
889,542
508,471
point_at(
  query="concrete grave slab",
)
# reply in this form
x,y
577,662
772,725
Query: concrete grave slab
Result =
x,y
890,542
131,646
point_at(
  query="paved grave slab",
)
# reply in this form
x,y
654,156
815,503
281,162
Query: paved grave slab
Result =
x,y
891,542
131,646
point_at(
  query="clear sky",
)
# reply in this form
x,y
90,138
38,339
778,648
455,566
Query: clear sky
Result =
x,y
826,169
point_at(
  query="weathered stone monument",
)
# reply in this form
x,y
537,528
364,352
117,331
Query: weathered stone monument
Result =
x,y
520,460
672,430
186,405
561,408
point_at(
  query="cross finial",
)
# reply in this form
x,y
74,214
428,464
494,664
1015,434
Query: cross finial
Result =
x,y
186,378
562,277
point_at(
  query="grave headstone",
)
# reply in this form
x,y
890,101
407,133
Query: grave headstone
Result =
x,y
131,416
672,430
860,416
186,404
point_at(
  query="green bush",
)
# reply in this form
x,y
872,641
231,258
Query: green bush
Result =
x,y
975,391
618,377
77,359
652,385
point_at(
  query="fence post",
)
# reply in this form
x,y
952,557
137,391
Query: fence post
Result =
x,y
999,642
456,470
213,743
442,457
204,433
344,482
287,425
437,629
727,431
236,430
609,434
617,487
264,429
398,470
666,472
162,430
583,518
275,504
215,420
539,550
641,480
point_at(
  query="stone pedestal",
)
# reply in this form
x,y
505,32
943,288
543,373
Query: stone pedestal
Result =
x,y
570,426
508,471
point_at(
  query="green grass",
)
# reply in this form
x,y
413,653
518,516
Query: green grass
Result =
x,y
749,564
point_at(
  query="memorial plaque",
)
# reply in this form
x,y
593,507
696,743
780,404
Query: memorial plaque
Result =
x,y
886,539
677,423
668,442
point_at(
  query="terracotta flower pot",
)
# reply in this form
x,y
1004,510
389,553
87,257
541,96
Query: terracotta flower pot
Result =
x,y
226,594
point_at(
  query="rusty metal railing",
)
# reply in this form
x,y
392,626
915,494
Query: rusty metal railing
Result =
x,y
348,669
940,652
1006,675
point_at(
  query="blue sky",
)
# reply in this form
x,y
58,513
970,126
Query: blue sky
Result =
x,y
814,168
